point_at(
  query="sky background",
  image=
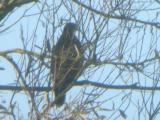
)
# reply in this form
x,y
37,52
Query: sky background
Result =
x,y
11,38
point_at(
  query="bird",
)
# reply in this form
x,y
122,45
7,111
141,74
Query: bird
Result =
x,y
66,63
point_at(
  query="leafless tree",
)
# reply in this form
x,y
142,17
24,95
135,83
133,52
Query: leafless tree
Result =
x,y
121,74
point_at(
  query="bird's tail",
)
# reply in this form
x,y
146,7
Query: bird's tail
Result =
x,y
59,97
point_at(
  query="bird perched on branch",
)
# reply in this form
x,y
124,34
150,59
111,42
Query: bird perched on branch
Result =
x,y
66,62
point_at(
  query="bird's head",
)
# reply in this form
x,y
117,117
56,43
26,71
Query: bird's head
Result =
x,y
70,28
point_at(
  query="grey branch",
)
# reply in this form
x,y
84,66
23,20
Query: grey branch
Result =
x,y
86,83
155,24
7,6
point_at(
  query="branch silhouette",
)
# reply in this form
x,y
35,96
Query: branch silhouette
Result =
x,y
134,86
7,6
155,24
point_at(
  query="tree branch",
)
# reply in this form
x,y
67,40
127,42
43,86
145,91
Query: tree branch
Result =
x,y
21,51
7,6
82,83
116,87
155,24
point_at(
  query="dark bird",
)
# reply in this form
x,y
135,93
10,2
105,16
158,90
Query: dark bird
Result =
x,y
66,63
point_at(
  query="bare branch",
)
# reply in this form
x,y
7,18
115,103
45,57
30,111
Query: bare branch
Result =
x,y
84,83
7,6
155,24
21,51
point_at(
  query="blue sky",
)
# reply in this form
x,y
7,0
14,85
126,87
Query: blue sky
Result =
x,y
11,38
